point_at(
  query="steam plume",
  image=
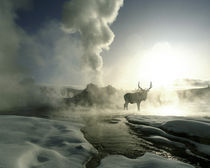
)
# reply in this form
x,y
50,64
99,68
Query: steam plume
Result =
x,y
92,18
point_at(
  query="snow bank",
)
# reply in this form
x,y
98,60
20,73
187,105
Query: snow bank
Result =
x,y
165,141
149,119
188,127
149,160
41,143
187,133
191,127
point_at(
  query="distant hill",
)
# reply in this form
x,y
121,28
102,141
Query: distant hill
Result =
x,y
94,95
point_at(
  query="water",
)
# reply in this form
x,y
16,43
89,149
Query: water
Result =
x,y
111,135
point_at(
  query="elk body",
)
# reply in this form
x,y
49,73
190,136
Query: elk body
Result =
x,y
136,97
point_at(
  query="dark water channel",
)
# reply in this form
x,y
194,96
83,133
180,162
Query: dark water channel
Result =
x,y
111,135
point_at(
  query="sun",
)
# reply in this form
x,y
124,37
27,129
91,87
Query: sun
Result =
x,y
162,64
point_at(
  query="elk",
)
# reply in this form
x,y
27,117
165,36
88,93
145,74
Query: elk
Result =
x,y
136,97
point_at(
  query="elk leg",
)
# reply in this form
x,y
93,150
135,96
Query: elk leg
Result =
x,y
126,106
138,105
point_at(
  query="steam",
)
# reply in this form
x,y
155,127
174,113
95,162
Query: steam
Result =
x,y
17,85
92,19
10,37
10,70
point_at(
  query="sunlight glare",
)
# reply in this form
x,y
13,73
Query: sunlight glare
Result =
x,y
162,64
170,110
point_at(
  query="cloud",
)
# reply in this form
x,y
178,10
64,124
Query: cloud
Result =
x,y
92,19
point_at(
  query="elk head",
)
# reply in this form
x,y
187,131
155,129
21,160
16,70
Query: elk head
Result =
x,y
143,92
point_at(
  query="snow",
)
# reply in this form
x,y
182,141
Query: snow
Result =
x,y
149,119
165,141
203,148
169,131
148,160
188,127
179,125
33,142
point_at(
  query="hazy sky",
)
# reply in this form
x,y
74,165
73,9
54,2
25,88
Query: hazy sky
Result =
x,y
161,39
158,40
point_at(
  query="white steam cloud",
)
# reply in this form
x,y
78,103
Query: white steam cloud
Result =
x,y
92,19
10,69
10,36
49,55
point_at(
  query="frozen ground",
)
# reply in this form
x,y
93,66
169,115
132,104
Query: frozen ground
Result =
x,y
41,143
189,135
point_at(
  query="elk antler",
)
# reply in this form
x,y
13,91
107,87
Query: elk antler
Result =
x,y
139,86
150,86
